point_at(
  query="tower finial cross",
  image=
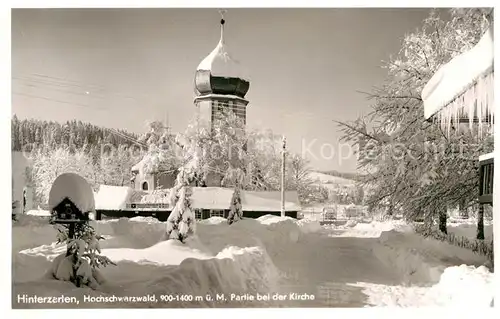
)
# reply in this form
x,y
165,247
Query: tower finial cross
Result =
x,y
222,12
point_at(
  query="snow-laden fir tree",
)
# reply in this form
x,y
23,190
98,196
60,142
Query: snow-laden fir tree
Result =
x,y
235,177
235,211
180,223
412,166
82,259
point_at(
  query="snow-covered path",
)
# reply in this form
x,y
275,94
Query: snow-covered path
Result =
x,y
338,262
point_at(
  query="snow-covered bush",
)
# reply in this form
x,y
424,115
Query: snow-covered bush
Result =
x,y
235,212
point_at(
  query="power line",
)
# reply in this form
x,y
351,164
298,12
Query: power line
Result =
x,y
130,139
62,85
101,94
64,82
54,100
48,82
57,81
63,79
63,91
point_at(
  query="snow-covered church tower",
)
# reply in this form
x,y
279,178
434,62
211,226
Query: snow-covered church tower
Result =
x,y
220,84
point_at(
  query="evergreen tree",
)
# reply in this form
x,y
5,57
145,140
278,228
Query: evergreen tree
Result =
x,y
16,143
181,221
83,251
235,211
409,164
21,137
38,136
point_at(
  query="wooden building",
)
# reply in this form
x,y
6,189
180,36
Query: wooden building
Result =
x,y
122,201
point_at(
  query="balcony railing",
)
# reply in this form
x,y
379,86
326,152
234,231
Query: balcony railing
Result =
x,y
147,206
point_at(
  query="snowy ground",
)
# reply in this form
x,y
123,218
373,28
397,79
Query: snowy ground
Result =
x,y
351,265
467,228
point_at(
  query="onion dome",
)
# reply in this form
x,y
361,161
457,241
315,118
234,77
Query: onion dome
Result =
x,y
219,73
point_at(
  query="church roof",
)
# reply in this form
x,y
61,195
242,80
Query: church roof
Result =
x,y
220,63
219,73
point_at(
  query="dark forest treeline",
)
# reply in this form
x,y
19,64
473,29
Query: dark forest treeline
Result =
x,y
27,134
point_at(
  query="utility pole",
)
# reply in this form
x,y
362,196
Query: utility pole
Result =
x,y
283,154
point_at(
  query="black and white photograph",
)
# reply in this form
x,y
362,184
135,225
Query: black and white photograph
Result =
x,y
245,157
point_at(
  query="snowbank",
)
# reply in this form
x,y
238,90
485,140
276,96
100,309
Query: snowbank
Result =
x,y
373,229
309,226
50,251
207,264
468,230
459,286
168,252
31,231
38,212
213,220
421,260
272,219
234,270
25,220
142,219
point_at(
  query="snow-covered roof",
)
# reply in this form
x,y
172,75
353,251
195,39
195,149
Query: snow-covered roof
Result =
x,y
157,196
152,163
137,195
76,188
220,63
269,201
113,197
138,167
211,197
201,198
461,84
485,157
